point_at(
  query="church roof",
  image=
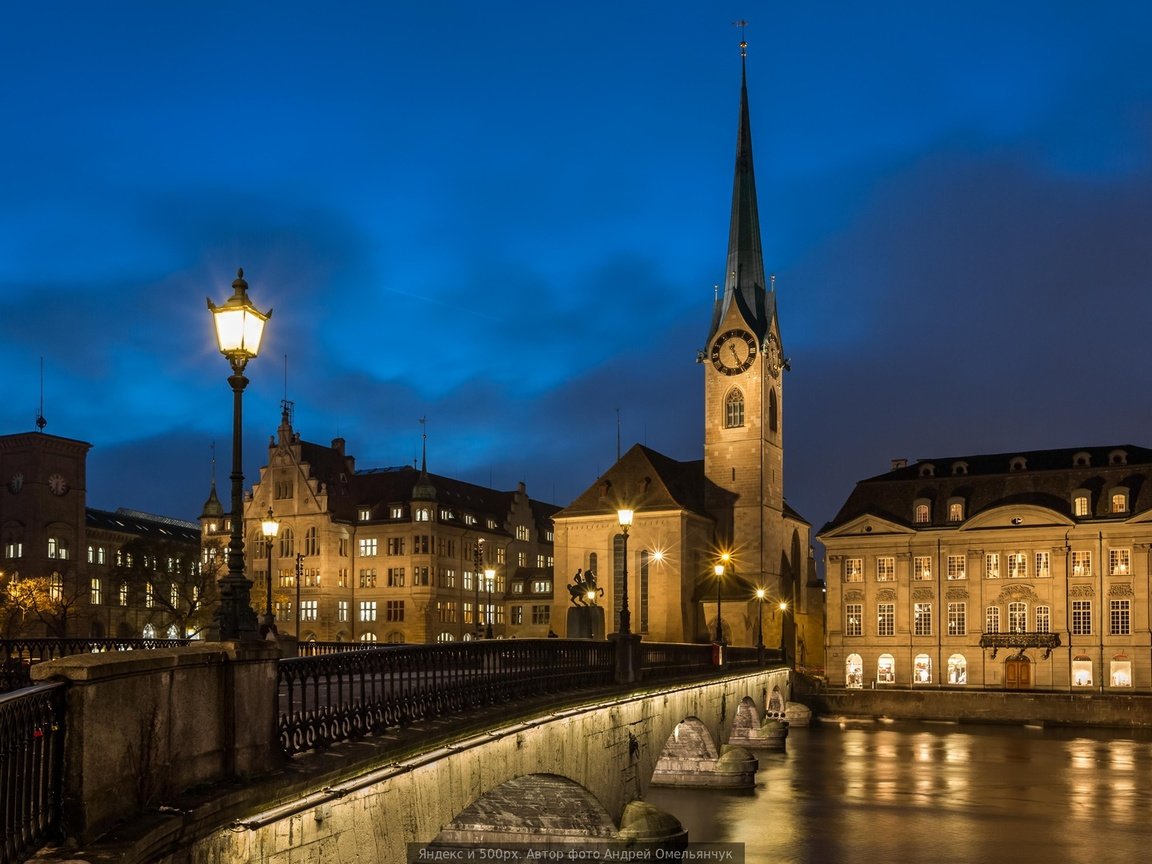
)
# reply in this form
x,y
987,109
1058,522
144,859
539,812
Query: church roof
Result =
x,y
644,479
1044,478
744,282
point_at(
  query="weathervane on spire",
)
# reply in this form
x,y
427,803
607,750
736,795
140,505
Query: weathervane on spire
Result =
x,y
742,24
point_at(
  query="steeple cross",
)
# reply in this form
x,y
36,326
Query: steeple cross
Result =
x,y
742,24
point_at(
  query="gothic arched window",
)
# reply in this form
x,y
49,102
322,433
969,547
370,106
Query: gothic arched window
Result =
x,y
733,409
773,412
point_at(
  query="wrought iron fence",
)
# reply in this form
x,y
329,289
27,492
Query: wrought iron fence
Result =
x,y
31,766
17,655
334,697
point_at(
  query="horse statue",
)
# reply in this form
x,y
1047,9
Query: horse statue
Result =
x,y
583,590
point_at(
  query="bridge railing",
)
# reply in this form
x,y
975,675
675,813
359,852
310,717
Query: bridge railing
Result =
x,y
333,697
17,655
31,768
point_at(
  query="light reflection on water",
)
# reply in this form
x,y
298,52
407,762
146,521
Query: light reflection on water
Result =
x,y
910,793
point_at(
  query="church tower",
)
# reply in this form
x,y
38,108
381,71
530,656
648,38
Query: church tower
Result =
x,y
743,395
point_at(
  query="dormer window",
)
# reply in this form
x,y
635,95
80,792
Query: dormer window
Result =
x,y
1118,457
956,510
1018,463
396,511
423,514
921,513
1082,459
1119,500
1081,503
364,514
927,470
959,469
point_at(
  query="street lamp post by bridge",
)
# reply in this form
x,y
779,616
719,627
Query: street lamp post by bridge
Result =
x,y
477,574
760,594
489,576
783,622
625,517
270,527
239,327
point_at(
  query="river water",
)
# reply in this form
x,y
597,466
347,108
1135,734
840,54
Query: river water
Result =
x,y
906,793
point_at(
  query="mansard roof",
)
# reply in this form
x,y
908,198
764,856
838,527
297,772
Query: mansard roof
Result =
x,y
1043,478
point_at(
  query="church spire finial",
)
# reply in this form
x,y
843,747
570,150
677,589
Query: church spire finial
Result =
x,y
742,24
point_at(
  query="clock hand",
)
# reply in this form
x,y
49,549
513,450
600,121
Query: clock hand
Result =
x,y
732,348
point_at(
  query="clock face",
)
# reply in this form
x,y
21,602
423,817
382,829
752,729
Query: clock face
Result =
x,y
733,351
57,484
16,483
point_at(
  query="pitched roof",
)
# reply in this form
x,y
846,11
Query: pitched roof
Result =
x,y
1044,478
644,479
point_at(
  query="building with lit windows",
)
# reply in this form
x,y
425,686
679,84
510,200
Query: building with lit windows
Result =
x,y
1014,571
389,554
87,572
727,509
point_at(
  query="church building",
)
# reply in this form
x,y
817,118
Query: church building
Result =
x,y
708,534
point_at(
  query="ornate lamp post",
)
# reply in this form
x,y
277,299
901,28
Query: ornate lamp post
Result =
x,y
760,594
783,646
719,571
489,576
270,527
478,560
239,326
625,517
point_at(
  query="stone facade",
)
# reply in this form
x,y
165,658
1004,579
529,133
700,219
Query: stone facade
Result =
x,y
97,564
389,554
1025,570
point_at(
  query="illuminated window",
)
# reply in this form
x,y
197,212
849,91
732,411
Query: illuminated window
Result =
x,y
854,671
922,619
57,548
123,598
885,569
95,592
1080,505
957,669
1081,617
853,569
886,669
341,610
854,619
922,669
1043,619
885,619
921,515
1120,672
368,637
367,610
1017,617
957,567
992,565
957,619
992,619
1043,565
922,567
1119,502
396,511
364,514
423,514
1120,617
1017,565
521,532
1081,671
309,610
368,579
367,546
1119,562
1082,563
955,511
445,637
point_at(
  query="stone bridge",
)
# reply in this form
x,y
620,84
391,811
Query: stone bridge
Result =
x,y
571,774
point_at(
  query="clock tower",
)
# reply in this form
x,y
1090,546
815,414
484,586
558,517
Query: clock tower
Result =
x,y
743,398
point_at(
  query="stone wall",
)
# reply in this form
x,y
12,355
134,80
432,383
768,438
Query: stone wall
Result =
x,y
143,726
1079,709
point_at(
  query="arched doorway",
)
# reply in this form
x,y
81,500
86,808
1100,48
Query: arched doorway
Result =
x,y
1018,673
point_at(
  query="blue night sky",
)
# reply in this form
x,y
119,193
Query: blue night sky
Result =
x,y
509,218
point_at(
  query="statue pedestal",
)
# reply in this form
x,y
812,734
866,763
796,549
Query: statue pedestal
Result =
x,y
585,622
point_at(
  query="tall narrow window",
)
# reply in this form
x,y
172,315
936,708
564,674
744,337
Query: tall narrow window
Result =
x,y
885,619
773,411
853,619
1120,617
644,559
1043,619
617,578
733,409
1017,617
956,619
1081,617
992,619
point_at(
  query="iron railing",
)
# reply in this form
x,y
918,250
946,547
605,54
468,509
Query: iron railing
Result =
x,y
17,655
31,768
1020,640
334,697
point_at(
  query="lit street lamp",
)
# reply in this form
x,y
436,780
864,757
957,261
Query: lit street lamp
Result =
x,y
760,593
489,575
625,517
478,560
239,326
270,527
725,559
783,616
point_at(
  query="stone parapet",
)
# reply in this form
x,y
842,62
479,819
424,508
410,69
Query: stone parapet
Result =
x,y
144,726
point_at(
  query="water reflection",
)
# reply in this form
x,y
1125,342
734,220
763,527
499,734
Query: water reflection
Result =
x,y
936,793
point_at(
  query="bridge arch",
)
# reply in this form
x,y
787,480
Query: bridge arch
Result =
x,y
608,749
